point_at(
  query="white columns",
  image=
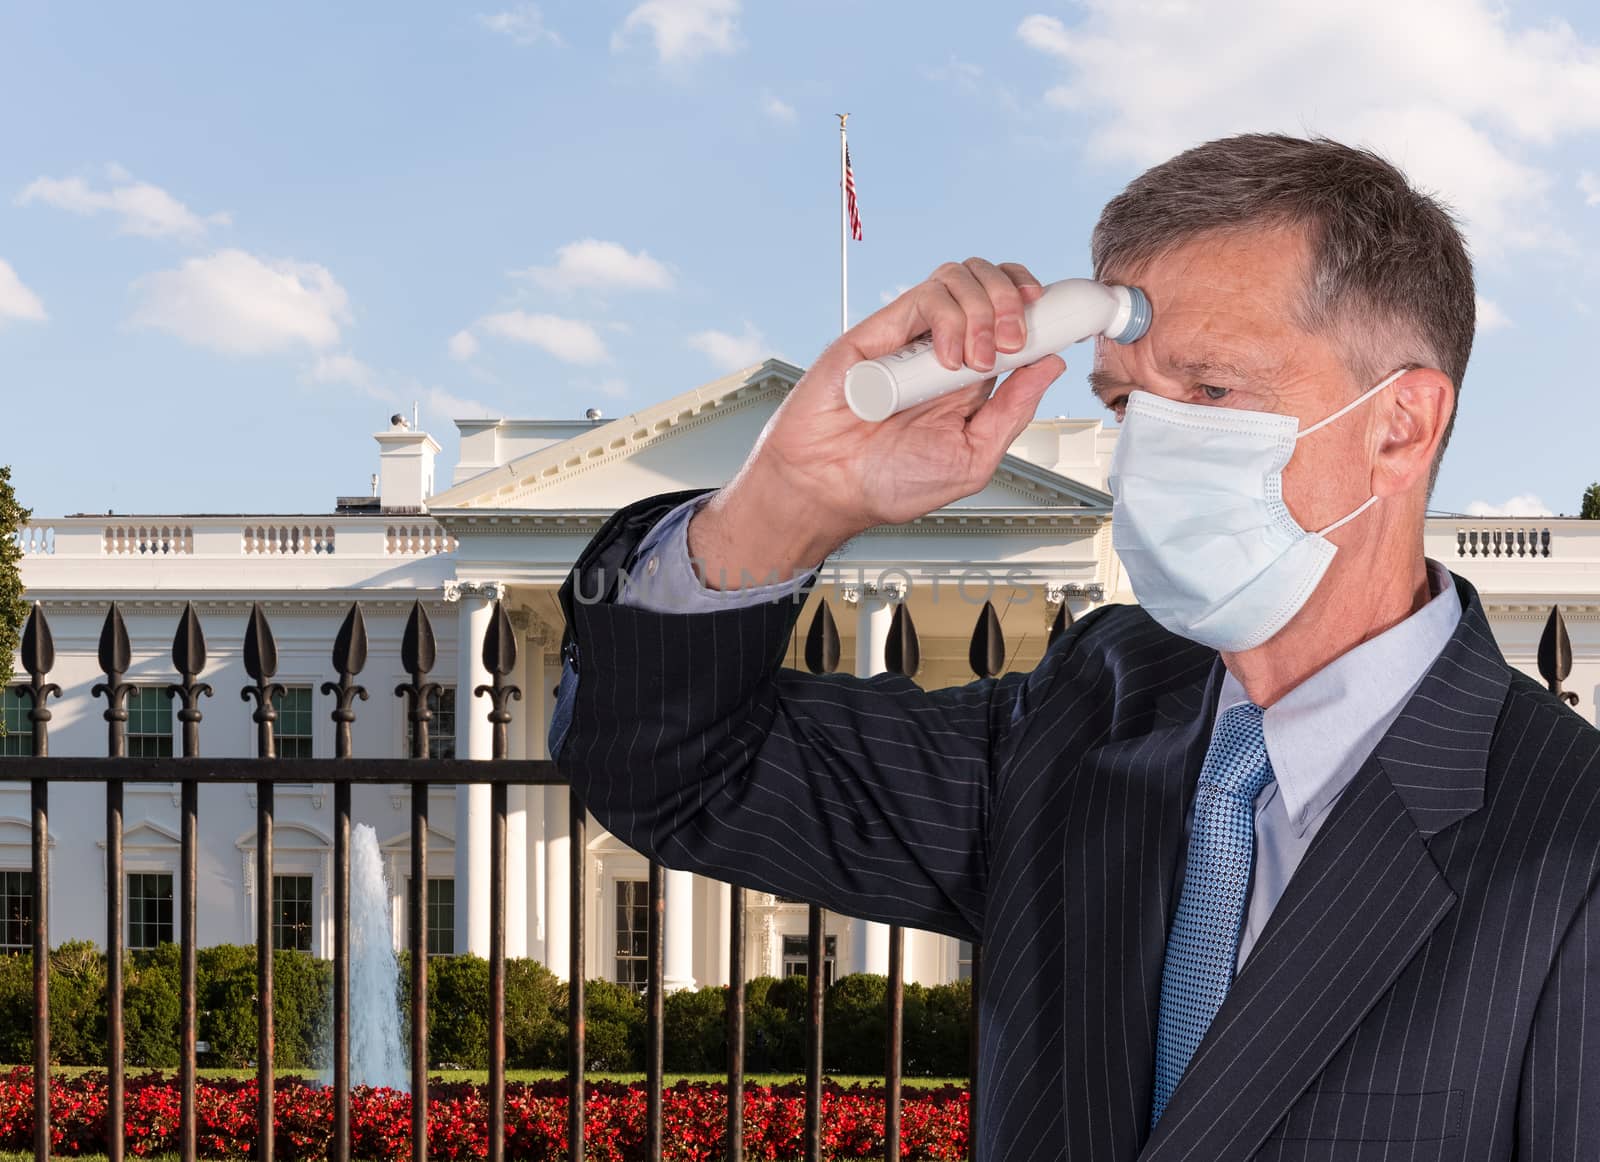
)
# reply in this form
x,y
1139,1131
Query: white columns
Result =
x,y
535,721
869,942
557,880
678,969
723,934
474,740
527,667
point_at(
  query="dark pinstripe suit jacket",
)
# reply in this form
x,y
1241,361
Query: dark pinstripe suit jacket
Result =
x,y
1426,988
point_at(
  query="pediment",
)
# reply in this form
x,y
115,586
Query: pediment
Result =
x,y
698,440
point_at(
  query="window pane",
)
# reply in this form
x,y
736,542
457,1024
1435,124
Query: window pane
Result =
x,y
291,912
16,911
292,732
441,916
18,738
149,909
633,933
149,723
441,727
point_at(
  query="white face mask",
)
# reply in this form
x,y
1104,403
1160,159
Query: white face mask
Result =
x,y
1199,521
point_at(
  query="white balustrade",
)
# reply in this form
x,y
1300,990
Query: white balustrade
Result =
x,y
35,540
131,540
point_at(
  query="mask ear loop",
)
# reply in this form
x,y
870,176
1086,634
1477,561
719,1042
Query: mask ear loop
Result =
x,y
1350,407
1342,521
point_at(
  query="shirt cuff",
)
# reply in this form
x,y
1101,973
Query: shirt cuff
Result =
x,y
661,578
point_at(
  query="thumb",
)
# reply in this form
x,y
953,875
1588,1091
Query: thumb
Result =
x,y
1009,410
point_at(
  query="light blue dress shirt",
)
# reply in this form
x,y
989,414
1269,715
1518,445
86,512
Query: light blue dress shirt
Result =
x,y
1318,735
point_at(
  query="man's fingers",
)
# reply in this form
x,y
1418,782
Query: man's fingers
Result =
x,y
973,297
1007,301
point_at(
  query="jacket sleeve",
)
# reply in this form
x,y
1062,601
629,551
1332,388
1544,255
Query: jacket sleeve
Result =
x,y
1558,1113
685,737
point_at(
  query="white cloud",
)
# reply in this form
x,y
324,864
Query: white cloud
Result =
x,y
595,265
569,340
889,296
964,75
1046,34
684,30
140,207
239,304
1589,187
1490,316
463,345
1458,92
777,108
1525,505
731,352
16,300
523,24
341,368
455,407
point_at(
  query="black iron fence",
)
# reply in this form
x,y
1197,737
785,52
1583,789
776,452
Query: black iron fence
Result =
x,y
344,770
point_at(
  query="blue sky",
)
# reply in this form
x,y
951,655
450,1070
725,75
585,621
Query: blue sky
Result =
x,y
235,238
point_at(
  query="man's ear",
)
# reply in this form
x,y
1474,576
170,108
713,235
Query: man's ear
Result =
x,y
1414,422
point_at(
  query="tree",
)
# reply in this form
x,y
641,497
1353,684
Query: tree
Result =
x,y
12,608
1591,503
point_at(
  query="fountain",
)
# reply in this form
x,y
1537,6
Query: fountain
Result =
x,y
377,1054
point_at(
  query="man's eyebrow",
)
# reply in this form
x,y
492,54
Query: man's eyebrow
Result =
x,y
1104,384
1208,368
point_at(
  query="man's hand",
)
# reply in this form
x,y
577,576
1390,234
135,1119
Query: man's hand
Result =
x,y
818,475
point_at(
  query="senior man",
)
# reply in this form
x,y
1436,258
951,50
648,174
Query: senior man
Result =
x,y
1284,862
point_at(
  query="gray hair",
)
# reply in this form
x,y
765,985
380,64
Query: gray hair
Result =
x,y
1390,280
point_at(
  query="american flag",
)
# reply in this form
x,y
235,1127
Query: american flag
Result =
x,y
850,197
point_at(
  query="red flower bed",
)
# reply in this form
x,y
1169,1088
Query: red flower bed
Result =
x,y
933,1121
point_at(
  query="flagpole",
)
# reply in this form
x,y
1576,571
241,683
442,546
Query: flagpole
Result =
x,y
844,233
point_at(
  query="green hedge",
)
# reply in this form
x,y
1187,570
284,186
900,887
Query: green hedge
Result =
x,y
776,1011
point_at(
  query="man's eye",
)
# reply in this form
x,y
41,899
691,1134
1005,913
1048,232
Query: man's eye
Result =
x,y
1213,392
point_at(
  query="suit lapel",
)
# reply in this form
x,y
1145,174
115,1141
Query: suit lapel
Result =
x,y
1123,837
1361,904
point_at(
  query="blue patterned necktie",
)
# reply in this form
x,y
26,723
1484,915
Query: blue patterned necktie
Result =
x,y
1203,946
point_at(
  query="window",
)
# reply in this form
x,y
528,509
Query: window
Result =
x,y
149,723
292,731
149,909
795,960
633,934
964,960
16,911
442,728
291,912
18,738
441,917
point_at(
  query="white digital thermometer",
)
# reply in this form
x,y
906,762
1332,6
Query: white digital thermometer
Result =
x,y
1067,312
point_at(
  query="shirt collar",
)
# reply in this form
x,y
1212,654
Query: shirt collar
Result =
x,y
1320,733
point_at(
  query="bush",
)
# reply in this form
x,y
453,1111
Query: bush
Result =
x,y
613,1027
152,1008
694,1025
226,998
302,1010
77,1004
775,1017
536,1017
16,1007
458,1011
937,1037
855,1023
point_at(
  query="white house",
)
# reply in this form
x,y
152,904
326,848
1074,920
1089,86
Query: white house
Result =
x,y
524,499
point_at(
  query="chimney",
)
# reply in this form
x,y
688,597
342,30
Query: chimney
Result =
x,y
405,466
